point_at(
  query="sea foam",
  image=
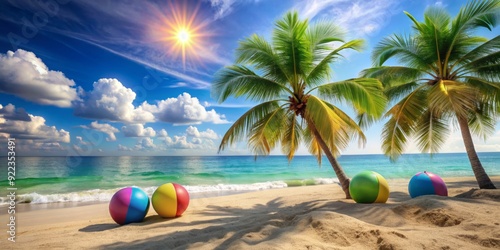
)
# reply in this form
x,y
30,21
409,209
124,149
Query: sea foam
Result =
x,y
104,195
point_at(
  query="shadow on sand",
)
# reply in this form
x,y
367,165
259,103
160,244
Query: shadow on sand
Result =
x,y
233,221
109,226
231,226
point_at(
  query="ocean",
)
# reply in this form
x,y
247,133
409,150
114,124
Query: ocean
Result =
x,y
75,180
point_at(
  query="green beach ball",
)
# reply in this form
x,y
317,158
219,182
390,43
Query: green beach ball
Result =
x,y
369,187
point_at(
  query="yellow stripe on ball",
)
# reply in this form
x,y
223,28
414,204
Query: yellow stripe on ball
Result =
x,y
383,189
165,200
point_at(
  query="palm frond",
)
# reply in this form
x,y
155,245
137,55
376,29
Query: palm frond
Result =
x,y
256,51
292,47
431,132
487,66
266,132
452,98
481,122
333,127
434,38
365,94
353,126
475,14
487,88
437,17
364,120
489,98
322,69
321,34
402,122
291,137
245,123
239,81
405,48
398,91
312,144
481,13
485,49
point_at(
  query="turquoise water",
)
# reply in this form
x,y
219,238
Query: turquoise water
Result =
x,y
79,179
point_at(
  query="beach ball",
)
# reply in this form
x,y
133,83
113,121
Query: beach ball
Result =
x,y
170,200
427,183
128,205
369,187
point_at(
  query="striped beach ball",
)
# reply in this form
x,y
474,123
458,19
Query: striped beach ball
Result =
x,y
369,187
128,205
427,183
170,200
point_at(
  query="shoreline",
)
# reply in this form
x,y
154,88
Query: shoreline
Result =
x,y
22,207
316,216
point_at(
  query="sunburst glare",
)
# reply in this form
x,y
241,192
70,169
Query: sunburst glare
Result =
x,y
181,30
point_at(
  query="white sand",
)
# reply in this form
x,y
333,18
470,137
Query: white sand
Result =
x,y
312,217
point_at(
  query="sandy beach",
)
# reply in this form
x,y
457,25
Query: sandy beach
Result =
x,y
309,217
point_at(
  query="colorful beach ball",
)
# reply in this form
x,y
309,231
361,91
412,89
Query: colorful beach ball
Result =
x,y
427,183
128,205
369,187
170,200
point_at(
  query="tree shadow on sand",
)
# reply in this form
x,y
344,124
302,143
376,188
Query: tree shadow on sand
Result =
x,y
230,226
109,226
260,223
237,223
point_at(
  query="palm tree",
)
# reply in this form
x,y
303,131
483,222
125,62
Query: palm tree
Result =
x,y
448,76
282,76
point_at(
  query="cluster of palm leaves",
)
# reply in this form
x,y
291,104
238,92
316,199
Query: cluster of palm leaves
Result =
x,y
447,76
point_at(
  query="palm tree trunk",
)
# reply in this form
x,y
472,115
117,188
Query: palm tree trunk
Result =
x,y
343,179
482,178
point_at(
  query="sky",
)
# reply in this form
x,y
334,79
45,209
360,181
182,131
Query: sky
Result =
x,y
111,78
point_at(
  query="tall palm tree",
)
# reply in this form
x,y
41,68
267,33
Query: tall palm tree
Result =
x,y
448,76
283,76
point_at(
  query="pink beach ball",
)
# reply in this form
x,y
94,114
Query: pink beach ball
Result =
x,y
427,183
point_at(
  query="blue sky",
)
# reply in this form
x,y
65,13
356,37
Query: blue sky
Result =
x,y
105,77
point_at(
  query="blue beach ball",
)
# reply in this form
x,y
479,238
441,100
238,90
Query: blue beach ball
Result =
x,y
128,205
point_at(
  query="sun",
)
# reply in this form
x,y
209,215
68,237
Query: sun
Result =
x,y
183,36
181,31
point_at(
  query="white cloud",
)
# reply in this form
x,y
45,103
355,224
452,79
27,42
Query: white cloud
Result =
x,y
146,143
225,7
37,146
138,130
26,76
311,8
183,110
179,142
123,148
79,140
35,129
197,141
10,112
163,133
142,144
358,17
110,100
105,128
208,134
440,4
